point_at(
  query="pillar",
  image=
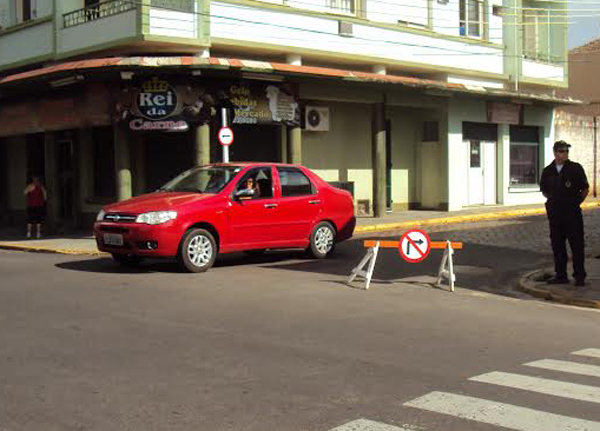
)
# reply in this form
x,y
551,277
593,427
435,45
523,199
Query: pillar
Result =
x,y
122,163
294,153
202,145
139,164
379,160
53,190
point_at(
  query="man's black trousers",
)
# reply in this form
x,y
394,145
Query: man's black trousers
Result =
x,y
567,226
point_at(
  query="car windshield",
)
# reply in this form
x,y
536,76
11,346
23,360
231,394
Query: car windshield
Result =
x,y
205,179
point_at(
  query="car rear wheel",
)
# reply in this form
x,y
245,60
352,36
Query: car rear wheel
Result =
x,y
322,240
126,259
198,251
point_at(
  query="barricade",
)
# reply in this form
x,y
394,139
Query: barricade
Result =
x,y
445,272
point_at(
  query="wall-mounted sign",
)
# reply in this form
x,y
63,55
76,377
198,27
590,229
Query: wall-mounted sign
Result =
x,y
156,100
264,104
156,106
504,113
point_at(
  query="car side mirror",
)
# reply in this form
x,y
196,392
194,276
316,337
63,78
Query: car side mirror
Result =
x,y
243,194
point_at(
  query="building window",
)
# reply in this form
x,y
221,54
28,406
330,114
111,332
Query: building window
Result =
x,y
294,182
471,18
524,156
341,6
536,34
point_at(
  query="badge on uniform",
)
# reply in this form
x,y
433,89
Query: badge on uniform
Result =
x,y
568,183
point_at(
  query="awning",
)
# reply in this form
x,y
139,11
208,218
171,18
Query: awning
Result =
x,y
280,69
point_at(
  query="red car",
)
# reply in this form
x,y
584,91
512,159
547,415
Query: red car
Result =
x,y
224,208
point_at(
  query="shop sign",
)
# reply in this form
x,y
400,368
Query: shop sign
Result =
x,y
264,104
504,113
157,104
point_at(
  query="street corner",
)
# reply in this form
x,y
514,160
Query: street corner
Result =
x,y
534,283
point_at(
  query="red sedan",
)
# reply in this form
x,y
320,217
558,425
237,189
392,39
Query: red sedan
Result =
x,y
224,208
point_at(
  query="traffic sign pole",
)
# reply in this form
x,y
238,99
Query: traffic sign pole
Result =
x,y
225,147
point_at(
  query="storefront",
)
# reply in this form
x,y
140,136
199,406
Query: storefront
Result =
x,y
108,135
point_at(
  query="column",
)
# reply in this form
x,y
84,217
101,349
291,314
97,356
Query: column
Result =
x,y
294,153
379,160
122,163
139,164
202,145
53,190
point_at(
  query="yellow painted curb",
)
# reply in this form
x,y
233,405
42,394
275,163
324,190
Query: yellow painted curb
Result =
x,y
461,219
39,249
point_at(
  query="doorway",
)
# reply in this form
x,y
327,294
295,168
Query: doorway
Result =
x,y
65,170
481,172
252,143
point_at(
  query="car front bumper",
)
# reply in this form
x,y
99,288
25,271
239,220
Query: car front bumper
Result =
x,y
137,239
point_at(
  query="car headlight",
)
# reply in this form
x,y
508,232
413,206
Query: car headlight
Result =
x,y
100,215
156,217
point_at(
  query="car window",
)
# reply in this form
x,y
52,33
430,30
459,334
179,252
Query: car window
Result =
x,y
205,179
258,179
294,182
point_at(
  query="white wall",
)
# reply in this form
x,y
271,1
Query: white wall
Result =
x,y
413,12
27,43
251,24
173,23
538,70
97,32
475,111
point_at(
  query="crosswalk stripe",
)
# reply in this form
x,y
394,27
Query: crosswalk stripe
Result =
x,y
542,386
594,353
367,425
567,367
499,414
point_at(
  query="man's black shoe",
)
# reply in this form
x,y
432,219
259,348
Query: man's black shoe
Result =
x,y
580,282
558,280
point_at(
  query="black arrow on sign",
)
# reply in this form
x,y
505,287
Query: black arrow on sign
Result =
x,y
408,245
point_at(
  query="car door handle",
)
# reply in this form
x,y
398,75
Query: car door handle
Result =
x,y
315,202
270,205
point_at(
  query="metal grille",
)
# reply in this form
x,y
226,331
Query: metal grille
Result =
x,y
179,5
96,11
120,218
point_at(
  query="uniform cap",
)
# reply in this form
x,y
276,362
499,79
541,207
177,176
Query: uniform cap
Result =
x,y
561,145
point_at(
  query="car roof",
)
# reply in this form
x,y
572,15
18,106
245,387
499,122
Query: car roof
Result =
x,y
246,164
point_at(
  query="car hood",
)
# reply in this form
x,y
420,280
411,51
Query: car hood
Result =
x,y
158,201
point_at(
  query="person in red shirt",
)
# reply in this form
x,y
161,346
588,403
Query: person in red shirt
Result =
x,y
35,194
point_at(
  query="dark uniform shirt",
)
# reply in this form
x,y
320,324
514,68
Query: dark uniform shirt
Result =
x,y
563,189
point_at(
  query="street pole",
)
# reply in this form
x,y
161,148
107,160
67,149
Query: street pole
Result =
x,y
224,124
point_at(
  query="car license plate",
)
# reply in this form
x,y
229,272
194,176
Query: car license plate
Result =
x,y
113,239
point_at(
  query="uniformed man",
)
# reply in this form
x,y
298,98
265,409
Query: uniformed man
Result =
x,y
565,185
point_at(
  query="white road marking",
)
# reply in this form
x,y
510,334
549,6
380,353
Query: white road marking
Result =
x,y
367,425
542,386
499,414
567,367
593,353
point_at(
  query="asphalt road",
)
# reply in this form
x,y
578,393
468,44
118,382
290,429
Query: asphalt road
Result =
x,y
281,343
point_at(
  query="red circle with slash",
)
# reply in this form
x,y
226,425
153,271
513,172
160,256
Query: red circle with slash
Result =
x,y
414,246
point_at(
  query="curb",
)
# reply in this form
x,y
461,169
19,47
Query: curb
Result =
x,y
462,219
40,249
525,284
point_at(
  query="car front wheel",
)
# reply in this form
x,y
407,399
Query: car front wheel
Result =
x,y
322,240
198,251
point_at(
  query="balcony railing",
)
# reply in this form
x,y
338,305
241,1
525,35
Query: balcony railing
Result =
x,y
96,11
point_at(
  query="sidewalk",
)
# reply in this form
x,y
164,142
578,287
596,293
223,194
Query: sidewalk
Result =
x,y
532,283
84,243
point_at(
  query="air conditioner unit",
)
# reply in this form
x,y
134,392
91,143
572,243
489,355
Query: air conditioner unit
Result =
x,y
317,118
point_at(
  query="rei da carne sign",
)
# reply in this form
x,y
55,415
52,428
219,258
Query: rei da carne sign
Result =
x,y
155,102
